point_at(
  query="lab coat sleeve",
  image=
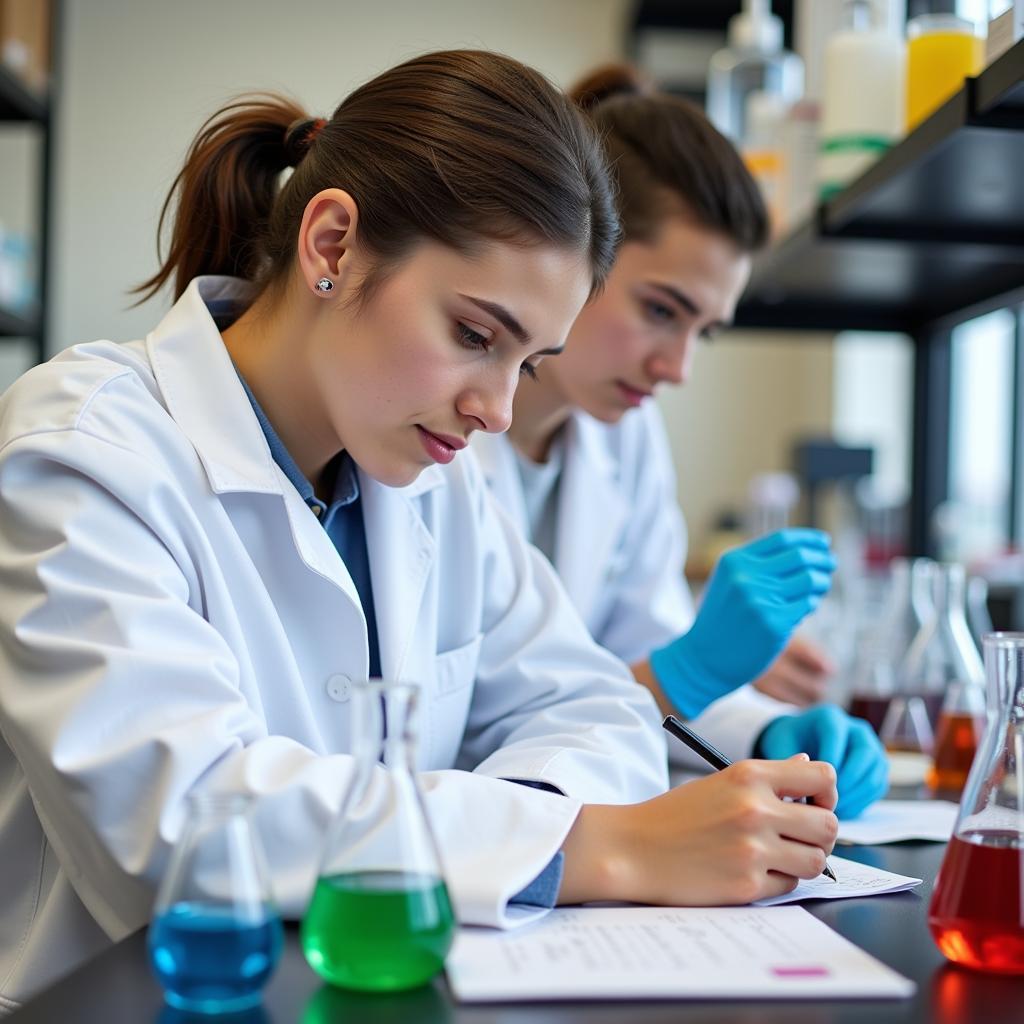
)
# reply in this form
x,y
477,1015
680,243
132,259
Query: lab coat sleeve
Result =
x,y
551,705
119,698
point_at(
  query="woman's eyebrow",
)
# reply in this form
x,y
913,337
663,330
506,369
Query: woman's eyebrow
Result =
x,y
503,316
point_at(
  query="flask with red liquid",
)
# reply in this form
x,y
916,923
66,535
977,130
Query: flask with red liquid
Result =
x,y
883,643
976,914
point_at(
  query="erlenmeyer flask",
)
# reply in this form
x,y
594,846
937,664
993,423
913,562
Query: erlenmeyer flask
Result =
x,y
883,644
907,724
949,654
216,934
380,918
976,914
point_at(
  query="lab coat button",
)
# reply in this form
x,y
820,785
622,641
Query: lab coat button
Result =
x,y
339,688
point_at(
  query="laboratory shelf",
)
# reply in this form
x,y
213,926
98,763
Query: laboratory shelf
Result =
x,y
18,325
934,230
18,102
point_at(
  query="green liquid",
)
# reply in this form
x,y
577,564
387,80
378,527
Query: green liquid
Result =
x,y
378,931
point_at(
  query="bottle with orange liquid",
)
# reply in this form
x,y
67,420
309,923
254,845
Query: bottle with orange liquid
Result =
x,y
942,50
976,915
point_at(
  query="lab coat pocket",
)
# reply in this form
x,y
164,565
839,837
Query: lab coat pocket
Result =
x,y
454,674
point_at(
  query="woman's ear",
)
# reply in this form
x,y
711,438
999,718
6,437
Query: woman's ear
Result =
x,y
326,239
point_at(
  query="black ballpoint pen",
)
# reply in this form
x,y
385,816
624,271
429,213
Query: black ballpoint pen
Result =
x,y
714,757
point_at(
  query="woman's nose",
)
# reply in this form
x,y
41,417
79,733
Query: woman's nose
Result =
x,y
490,402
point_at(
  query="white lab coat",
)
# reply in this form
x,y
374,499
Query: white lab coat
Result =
x,y
173,615
620,545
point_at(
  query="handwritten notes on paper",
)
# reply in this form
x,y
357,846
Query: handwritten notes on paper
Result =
x,y
853,879
664,952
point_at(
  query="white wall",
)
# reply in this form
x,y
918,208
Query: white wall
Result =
x,y
140,76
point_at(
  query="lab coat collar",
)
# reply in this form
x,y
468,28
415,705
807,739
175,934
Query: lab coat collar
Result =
x,y
590,493
203,393
497,459
207,400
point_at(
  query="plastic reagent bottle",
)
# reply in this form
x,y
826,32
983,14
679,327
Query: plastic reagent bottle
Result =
x,y
754,60
862,101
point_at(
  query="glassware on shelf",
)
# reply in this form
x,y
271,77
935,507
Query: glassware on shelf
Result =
x,y
216,935
380,918
976,915
753,61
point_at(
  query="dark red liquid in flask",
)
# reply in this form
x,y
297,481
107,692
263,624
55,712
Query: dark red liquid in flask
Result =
x,y
976,914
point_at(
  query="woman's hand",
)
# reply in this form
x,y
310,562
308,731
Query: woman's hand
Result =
x,y
729,838
799,675
828,733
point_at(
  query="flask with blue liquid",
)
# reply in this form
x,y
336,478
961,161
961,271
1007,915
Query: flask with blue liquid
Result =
x,y
216,935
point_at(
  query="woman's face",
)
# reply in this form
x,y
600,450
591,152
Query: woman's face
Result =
x,y
641,331
438,349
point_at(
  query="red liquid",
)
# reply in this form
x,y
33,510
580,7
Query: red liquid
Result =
x,y
956,743
976,915
872,709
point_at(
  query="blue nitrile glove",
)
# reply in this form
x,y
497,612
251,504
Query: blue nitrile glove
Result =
x,y
756,597
827,733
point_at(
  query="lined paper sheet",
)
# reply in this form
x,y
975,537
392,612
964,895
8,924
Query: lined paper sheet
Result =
x,y
853,879
664,952
893,821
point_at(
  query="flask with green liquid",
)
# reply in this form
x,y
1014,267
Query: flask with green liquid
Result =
x,y
380,918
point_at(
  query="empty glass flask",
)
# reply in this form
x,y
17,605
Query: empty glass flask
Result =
x,y
380,918
216,935
883,643
976,915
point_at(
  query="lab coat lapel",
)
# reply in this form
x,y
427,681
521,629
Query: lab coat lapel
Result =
x,y
497,459
402,553
591,513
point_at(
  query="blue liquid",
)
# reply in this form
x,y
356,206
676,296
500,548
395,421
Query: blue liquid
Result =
x,y
210,960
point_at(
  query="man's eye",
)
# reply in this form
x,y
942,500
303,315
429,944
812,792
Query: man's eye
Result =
x,y
659,311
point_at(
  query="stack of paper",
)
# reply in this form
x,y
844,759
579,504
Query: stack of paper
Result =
x,y
852,879
663,953
893,821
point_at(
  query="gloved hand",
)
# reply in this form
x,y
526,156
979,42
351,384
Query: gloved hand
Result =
x,y
827,733
755,598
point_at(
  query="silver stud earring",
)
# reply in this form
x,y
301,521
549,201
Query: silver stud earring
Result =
x,y
325,285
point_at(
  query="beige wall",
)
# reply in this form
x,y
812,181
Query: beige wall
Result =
x,y
749,397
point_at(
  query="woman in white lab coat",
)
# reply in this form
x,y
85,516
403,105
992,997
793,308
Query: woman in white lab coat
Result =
x,y
586,472
208,534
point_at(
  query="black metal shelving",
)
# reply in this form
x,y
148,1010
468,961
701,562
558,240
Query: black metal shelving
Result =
x,y
931,235
20,105
934,229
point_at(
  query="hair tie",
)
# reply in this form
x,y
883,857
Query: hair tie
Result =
x,y
300,136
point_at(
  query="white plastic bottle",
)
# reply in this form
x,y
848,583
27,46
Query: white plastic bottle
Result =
x,y
753,61
816,20
863,97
